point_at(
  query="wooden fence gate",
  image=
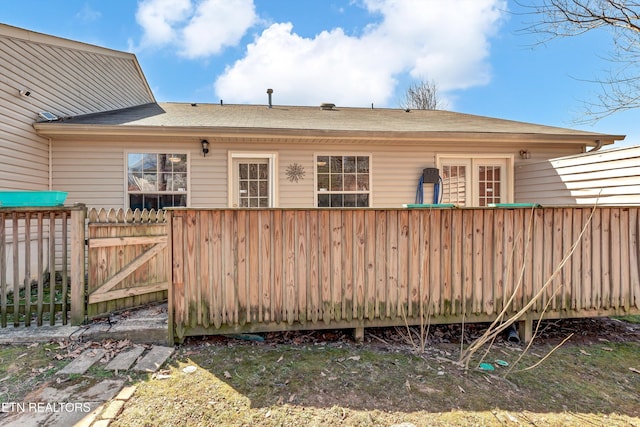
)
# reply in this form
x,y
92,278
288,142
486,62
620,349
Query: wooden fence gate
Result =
x,y
127,259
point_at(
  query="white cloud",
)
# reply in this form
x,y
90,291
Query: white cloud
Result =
x,y
198,29
444,41
88,14
158,18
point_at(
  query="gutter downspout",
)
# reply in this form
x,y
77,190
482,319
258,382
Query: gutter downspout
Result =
x,y
50,165
597,147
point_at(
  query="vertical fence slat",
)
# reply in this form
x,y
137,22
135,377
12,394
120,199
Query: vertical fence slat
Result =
x,y
605,258
634,244
529,232
65,265
586,262
278,266
391,291
381,264
216,260
202,269
457,262
445,289
402,307
467,266
576,261
360,285
325,264
15,228
370,260
27,271
266,269
615,266
290,299
314,294
478,237
435,261
244,305
413,294
253,262
624,254
347,265
488,251
301,284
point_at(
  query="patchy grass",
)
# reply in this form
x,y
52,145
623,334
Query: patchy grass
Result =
x,y
24,368
324,379
634,318
341,384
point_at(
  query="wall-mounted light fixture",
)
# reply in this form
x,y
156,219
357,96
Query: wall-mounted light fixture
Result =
x,y
205,147
525,154
24,92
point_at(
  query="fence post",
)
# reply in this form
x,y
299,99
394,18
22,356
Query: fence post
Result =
x,y
169,269
78,262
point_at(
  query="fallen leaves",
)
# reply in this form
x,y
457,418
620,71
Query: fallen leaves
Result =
x,y
75,348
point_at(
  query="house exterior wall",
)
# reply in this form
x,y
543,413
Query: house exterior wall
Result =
x,y
63,77
608,177
94,172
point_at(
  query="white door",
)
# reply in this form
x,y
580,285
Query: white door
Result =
x,y
475,182
252,183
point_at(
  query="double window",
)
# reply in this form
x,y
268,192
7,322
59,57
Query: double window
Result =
x,y
343,181
156,180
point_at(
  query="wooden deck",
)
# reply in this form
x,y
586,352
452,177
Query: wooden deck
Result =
x,y
279,269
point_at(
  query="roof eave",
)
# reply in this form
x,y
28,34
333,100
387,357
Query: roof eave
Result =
x,y
56,129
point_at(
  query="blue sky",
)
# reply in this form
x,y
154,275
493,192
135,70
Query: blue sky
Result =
x,y
349,52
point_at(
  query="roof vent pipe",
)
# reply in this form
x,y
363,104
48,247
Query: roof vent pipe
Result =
x,y
269,92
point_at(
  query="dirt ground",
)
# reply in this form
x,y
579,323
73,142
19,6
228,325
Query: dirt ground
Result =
x,y
324,378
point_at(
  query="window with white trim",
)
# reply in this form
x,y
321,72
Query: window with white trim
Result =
x,y
156,180
343,181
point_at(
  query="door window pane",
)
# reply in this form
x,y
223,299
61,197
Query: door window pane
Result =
x,y
454,182
488,185
253,184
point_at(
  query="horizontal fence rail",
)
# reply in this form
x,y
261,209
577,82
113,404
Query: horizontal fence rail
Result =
x,y
278,269
41,265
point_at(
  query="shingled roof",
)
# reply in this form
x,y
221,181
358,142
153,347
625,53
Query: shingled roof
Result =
x,y
306,121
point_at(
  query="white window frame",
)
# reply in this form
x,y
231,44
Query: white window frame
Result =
x,y
472,177
146,151
348,154
272,160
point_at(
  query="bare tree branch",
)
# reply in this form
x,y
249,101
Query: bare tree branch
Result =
x,y
620,89
422,95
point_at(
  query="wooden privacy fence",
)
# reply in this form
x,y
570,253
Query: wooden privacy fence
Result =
x,y
127,259
41,265
278,269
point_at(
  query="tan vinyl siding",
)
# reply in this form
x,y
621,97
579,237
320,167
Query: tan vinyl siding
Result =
x,y
70,82
93,172
65,78
610,177
24,156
